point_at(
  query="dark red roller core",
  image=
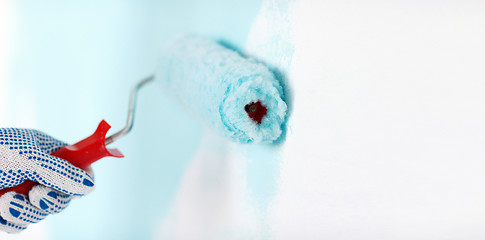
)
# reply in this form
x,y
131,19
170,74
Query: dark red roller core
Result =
x,y
256,111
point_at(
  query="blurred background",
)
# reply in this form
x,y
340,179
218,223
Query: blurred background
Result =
x,y
67,65
384,138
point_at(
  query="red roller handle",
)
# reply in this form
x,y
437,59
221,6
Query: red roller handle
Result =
x,y
81,155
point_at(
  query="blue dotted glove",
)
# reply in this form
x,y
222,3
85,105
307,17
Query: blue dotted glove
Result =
x,y
25,154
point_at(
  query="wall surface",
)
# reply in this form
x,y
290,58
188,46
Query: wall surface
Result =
x,y
386,136
71,64
384,139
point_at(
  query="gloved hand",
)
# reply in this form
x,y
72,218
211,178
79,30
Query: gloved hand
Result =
x,y
25,154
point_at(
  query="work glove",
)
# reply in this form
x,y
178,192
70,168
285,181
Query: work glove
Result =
x,y
25,154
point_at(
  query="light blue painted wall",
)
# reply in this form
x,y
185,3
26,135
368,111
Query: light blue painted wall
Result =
x,y
77,61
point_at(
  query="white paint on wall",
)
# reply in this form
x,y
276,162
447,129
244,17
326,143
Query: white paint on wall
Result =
x,y
387,131
212,201
386,134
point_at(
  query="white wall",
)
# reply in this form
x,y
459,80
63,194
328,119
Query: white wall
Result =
x,y
384,140
386,135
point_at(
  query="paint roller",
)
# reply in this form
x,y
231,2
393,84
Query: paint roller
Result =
x,y
238,97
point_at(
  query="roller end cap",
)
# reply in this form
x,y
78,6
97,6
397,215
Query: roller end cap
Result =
x,y
256,111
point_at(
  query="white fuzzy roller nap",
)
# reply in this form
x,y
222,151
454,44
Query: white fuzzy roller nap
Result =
x,y
238,97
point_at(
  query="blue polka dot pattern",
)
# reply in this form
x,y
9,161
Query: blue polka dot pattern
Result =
x,y
48,199
25,154
11,227
20,210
